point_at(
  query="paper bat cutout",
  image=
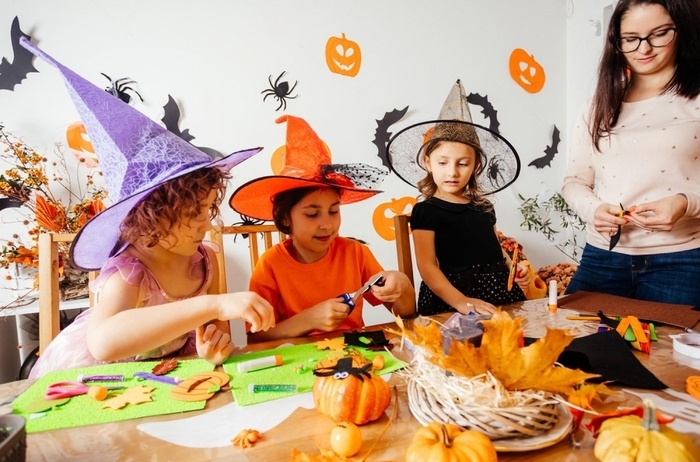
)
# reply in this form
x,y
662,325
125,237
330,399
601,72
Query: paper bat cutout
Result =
x,y
12,74
171,120
382,135
550,152
486,109
7,202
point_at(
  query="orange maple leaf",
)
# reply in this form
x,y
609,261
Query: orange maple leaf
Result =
x,y
529,368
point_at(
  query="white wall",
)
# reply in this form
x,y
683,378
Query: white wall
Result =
x,y
215,57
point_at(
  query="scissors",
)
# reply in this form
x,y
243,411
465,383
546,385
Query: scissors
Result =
x,y
351,300
513,267
60,390
616,238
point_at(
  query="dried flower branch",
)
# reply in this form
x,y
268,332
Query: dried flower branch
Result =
x,y
30,180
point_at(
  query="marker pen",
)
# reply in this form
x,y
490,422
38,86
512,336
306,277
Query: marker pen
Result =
x,y
553,296
260,363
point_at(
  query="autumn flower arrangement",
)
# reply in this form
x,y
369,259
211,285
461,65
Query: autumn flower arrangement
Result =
x,y
501,388
48,198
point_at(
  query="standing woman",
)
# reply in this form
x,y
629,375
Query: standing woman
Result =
x,y
634,170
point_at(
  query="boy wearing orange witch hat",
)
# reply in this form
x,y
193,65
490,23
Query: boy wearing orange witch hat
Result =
x,y
304,277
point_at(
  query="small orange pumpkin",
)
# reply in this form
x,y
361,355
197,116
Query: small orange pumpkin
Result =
x,y
448,443
343,56
354,398
383,216
526,71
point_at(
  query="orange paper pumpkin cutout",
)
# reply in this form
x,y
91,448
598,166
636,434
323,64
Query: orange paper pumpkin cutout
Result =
x,y
343,56
383,216
277,159
198,386
77,138
526,71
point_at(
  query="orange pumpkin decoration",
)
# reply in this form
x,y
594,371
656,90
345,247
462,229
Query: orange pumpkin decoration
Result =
x,y
447,442
200,387
383,222
526,71
277,158
76,136
357,397
343,56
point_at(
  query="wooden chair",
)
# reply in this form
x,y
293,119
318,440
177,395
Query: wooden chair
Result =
x,y
403,246
268,232
49,295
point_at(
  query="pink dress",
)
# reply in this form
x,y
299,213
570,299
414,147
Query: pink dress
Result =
x,y
69,349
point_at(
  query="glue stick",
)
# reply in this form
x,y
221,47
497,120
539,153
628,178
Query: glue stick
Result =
x,y
260,363
553,296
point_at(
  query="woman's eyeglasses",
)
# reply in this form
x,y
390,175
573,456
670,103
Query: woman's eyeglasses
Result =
x,y
656,40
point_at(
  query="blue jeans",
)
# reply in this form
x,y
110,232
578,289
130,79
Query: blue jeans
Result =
x,y
667,277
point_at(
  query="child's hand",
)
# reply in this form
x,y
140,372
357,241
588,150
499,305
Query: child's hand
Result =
x,y
249,306
213,344
522,275
328,315
474,305
393,286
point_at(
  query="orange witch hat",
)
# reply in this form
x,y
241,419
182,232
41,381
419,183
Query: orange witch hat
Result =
x,y
306,163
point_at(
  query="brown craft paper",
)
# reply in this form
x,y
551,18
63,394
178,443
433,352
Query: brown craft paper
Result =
x,y
612,305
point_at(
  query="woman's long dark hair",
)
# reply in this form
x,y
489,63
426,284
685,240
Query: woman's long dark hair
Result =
x,y
613,78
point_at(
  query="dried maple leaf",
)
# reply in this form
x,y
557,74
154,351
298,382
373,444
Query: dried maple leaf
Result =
x,y
165,366
326,456
333,344
134,395
529,368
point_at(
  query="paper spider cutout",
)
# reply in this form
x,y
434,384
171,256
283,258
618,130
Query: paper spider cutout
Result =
x,y
343,369
280,91
119,88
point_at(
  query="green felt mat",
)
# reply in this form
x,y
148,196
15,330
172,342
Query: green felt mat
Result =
x,y
83,410
292,356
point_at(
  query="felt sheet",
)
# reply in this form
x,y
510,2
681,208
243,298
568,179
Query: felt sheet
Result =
x,y
609,355
83,410
292,356
612,305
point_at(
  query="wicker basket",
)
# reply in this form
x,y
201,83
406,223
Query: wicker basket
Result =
x,y
531,418
13,439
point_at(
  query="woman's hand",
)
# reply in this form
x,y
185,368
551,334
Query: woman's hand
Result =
x,y
607,219
661,215
248,306
213,344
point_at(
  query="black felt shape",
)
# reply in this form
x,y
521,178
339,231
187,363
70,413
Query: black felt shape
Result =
x,y
376,338
609,355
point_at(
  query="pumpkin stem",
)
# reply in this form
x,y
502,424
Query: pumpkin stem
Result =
x,y
444,436
649,421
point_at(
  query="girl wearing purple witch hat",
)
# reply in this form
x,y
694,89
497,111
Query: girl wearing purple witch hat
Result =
x,y
156,292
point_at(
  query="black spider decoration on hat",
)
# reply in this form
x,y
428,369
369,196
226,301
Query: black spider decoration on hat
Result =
x,y
119,88
343,369
280,91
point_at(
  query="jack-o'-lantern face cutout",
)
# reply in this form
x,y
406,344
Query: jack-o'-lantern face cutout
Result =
x,y
343,56
277,159
526,71
383,216
78,140
200,387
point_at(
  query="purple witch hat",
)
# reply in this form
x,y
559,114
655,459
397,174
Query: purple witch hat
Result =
x,y
136,156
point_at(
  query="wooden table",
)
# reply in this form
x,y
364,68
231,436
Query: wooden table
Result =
x,y
123,441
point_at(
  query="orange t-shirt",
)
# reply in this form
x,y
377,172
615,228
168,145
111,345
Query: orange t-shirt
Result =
x,y
291,286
